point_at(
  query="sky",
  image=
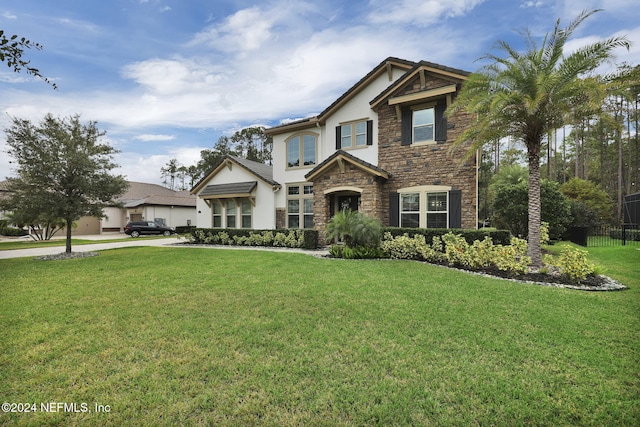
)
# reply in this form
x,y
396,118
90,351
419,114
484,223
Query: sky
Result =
x,y
166,78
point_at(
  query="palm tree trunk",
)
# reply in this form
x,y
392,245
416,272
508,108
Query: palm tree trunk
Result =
x,y
535,249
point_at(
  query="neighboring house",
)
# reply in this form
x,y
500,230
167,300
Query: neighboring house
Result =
x,y
140,202
150,202
382,148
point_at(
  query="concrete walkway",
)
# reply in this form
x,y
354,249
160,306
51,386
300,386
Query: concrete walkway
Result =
x,y
124,243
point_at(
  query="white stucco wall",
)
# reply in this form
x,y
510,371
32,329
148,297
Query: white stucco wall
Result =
x,y
263,213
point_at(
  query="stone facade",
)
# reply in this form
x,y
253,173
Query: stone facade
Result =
x,y
430,164
350,176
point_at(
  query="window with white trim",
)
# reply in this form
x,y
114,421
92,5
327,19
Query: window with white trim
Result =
x,y
302,150
437,210
424,207
216,208
353,134
231,213
246,214
410,210
300,206
423,125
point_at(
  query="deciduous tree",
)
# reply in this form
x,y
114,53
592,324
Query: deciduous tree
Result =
x,y
63,170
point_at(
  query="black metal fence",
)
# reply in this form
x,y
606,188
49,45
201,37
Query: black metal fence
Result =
x,y
625,234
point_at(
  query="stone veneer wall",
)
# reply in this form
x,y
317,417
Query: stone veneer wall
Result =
x,y
426,164
353,176
281,218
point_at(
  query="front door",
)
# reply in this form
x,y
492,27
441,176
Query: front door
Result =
x,y
348,202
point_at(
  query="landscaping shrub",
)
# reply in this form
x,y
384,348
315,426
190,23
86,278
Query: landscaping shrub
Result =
x,y
499,237
356,252
354,228
454,249
294,238
10,231
574,265
184,229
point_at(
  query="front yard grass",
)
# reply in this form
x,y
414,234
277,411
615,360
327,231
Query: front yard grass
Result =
x,y
187,336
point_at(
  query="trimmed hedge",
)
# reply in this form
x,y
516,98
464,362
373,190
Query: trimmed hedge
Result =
x,y
499,237
10,231
292,238
184,229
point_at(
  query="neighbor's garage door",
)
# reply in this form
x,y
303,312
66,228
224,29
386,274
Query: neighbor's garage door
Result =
x,y
86,225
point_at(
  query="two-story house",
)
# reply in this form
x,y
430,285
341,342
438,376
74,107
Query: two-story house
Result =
x,y
382,148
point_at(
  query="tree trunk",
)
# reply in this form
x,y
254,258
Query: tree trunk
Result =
x,y
535,248
69,225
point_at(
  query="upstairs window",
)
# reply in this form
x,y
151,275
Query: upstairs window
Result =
x,y
302,150
423,125
354,134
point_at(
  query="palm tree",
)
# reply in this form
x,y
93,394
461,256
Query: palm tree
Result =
x,y
526,96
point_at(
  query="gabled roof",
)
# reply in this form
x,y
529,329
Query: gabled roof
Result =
x,y
341,157
141,193
454,74
385,66
260,170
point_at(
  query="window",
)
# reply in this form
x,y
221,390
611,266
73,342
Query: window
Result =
x,y
231,214
355,134
217,214
346,136
423,124
293,152
437,210
300,206
246,214
410,210
301,150
426,206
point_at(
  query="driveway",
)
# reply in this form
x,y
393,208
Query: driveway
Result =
x,y
124,243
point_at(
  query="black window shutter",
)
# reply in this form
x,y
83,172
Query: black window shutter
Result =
x,y
441,122
407,117
369,132
455,209
338,137
394,210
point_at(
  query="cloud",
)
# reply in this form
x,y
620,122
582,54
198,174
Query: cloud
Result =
x,y
152,137
528,4
9,15
245,30
418,12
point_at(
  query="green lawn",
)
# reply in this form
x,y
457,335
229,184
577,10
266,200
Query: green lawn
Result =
x,y
185,336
